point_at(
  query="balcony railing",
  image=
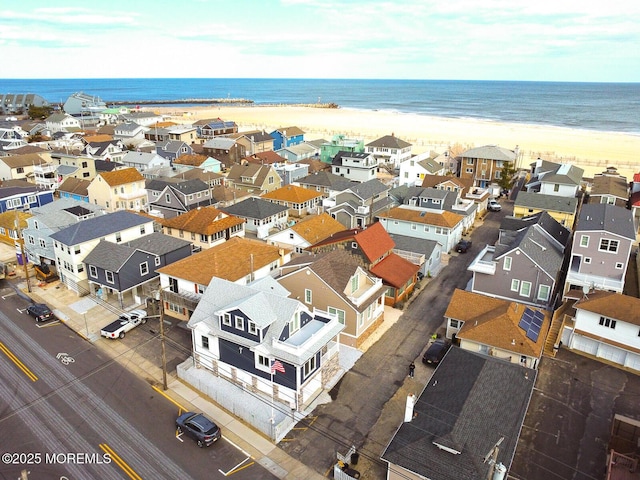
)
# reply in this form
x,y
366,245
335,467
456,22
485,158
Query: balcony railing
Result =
x,y
484,263
135,194
594,281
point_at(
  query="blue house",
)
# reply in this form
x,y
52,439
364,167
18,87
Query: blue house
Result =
x,y
75,189
286,137
23,198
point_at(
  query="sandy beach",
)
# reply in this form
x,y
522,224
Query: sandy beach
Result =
x,y
591,150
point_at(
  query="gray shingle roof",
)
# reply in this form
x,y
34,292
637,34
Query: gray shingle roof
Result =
x,y
61,213
490,152
471,401
546,202
98,227
327,179
414,245
608,218
558,232
254,208
389,141
369,189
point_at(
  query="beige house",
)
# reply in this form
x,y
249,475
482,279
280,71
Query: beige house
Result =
x,y
256,179
119,190
85,166
204,227
336,282
21,167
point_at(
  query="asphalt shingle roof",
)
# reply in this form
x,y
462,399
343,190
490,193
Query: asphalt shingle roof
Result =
x,y
608,218
546,202
93,228
255,208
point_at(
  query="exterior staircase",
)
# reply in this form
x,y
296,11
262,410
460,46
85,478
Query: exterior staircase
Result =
x,y
553,337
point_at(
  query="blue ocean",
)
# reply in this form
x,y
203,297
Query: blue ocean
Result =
x,y
593,106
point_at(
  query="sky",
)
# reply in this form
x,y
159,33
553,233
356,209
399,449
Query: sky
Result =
x,y
560,40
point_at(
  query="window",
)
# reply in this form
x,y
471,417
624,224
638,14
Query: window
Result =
x,y
507,263
93,271
205,342
556,187
226,319
76,249
294,323
252,328
608,322
109,276
469,170
543,292
340,313
515,285
31,199
469,161
118,237
587,260
307,295
354,283
525,289
608,245
454,323
584,241
156,261
310,366
31,240
142,229
80,268
43,244
619,265
239,322
144,268
264,361
167,198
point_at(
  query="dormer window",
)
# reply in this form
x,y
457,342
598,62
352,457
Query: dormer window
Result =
x,y
226,319
253,330
355,281
239,322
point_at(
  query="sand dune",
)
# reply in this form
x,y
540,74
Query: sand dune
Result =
x,y
592,150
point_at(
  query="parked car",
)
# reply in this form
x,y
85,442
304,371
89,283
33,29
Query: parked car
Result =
x,y
198,427
40,312
494,206
463,246
436,352
125,322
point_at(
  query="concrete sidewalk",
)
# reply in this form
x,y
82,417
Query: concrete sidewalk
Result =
x,y
86,317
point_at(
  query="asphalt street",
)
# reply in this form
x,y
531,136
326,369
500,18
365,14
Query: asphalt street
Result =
x,y
66,409
355,416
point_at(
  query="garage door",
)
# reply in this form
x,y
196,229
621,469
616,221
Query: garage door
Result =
x,y
585,345
613,354
633,361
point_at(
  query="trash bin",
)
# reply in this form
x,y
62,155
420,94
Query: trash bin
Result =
x,y
354,458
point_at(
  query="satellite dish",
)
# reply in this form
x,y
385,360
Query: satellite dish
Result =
x,y
585,289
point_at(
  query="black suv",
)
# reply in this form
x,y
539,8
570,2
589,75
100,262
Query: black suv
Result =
x,y
436,352
463,246
40,312
198,427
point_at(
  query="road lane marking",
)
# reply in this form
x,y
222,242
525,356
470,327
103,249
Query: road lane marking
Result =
x,y
57,322
8,295
182,409
237,468
121,463
18,363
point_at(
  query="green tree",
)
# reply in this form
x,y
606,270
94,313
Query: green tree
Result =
x,y
39,112
506,176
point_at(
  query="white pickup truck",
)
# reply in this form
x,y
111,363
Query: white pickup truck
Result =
x,y
124,323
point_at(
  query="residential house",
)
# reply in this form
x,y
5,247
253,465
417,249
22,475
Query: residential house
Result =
x,y
427,254
261,215
62,122
389,149
11,226
15,167
172,149
325,182
462,186
525,263
73,243
286,137
296,153
85,167
498,328
606,326
374,247
359,167
108,150
414,169
291,172
204,227
177,197
130,133
610,188
602,242
339,143
127,271
251,142
239,332
183,133
51,218
16,102
336,282
238,260
211,177
358,205
144,118
549,178
255,179
306,232
443,227
142,161
562,209
23,198
452,426
12,139
300,201
193,160
484,164
75,188
121,189
83,104
268,157
216,128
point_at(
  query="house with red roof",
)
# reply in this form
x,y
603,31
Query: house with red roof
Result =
x,y
374,248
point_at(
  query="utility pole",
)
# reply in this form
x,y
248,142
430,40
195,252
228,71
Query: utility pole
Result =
x,y
24,258
492,459
164,353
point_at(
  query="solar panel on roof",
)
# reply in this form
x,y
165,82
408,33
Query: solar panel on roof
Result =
x,y
531,322
525,320
538,319
533,333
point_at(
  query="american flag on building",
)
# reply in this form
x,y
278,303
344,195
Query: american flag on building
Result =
x,y
277,365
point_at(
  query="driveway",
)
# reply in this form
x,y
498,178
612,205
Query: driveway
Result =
x,y
368,402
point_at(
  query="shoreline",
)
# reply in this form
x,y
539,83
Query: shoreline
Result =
x,y
592,150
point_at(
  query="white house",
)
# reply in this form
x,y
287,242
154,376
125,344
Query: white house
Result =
x,y
389,149
414,169
360,167
144,160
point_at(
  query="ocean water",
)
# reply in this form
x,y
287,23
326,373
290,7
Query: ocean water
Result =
x,y
593,106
